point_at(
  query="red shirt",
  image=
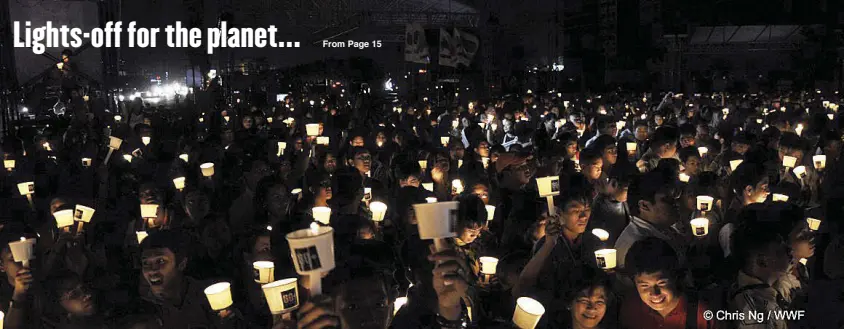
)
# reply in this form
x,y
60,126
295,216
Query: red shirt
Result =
x,y
635,314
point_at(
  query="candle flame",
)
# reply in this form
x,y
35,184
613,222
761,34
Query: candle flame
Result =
x,y
23,239
314,228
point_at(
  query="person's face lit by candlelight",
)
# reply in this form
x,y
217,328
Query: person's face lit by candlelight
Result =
x,y
363,304
321,128
163,271
575,217
9,265
507,125
469,233
465,122
357,141
381,138
248,122
740,148
456,152
657,291
610,155
589,308
330,164
362,161
323,190
659,120
276,201
148,195
299,145
692,166
56,204
262,249
78,300
687,140
571,149
482,149
197,206
411,180
482,192
593,169
641,133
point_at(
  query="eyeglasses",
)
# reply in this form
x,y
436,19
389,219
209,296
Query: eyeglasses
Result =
x,y
78,292
363,157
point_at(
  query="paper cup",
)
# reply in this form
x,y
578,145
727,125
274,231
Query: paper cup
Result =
x,y
312,252
281,147
23,250
296,191
734,164
428,186
800,172
269,119
379,209
149,210
702,150
322,140
602,234
819,161
456,186
263,272
488,265
146,140
9,164
219,295
141,235
605,258
312,129
814,224
804,261
179,183
459,163
423,164
322,214
397,305
114,143
490,212
430,199
207,169
831,116
26,188
367,194
485,162
128,158
789,161
86,162
83,214
528,312
444,140
282,295
704,202
684,178
780,197
548,186
436,220
631,146
184,157
455,123
700,226
825,104
227,118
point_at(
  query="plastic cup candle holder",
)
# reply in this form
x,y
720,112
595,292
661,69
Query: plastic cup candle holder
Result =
x,y
704,202
684,178
700,226
281,147
528,312
734,164
430,199
398,304
804,261
312,129
179,183
606,258
219,296
146,140
23,251
128,158
428,186
780,197
789,161
488,267
456,186
322,214
263,271
490,212
114,143
367,194
312,251
702,150
282,295
86,162
548,188
485,162
9,164
64,218
184,157
83,213
819,161
602,234
149,211
322,140
814,223
444,140
207,169
436,220
423,164
631,147
800,172
141,235
459,163
378,209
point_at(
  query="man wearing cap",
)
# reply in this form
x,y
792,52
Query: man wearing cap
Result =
x,y
663,145
514,209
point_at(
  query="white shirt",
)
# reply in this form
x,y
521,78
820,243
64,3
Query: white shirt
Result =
x,y
638,229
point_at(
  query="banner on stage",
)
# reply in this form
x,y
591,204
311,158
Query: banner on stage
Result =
x,y
448,49
467,47
415,46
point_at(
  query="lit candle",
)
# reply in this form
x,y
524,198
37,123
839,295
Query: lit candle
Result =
x,y
702,150
684,178
9,164
397,305
379,209
485,162
117,118
800,172
269,119
184,157
457,186
488,265
423,164
146,140
789,161
127,157
700,226
428,186
820,161
799,129
86,162
226,118
321,214
281,147
814,223
207,169
490,211
803,261
606,258
704,202
780,197
631,147
602,234
734,164
179,183
314,228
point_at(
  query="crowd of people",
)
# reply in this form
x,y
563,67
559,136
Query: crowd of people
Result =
x,y
706,210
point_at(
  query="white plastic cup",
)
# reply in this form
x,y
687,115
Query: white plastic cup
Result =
x,y
141,235
83,213
789,161
282,295
149,211
26,188
606,258
456,186
128,158
312,252
700,226
602,234
263,271
367,194
819,161
490,212
528,312
207,169
423,164
430,199
179,183
436,220
397,305
322,140
312,129
23,250
322,214
704,202
378,209
804,261
281,147
631,146
86,162
9,164
184,157
428,186
702,151
684,178
548,186
444,140
488,265
814,223
800,172
485,162
780,197
734,164
63,218
146,140
219,295
114,143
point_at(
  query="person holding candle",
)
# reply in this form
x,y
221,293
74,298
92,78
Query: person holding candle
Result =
x,y
690,157
439,164
663,145
661,301
589,300
749,185
609,209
